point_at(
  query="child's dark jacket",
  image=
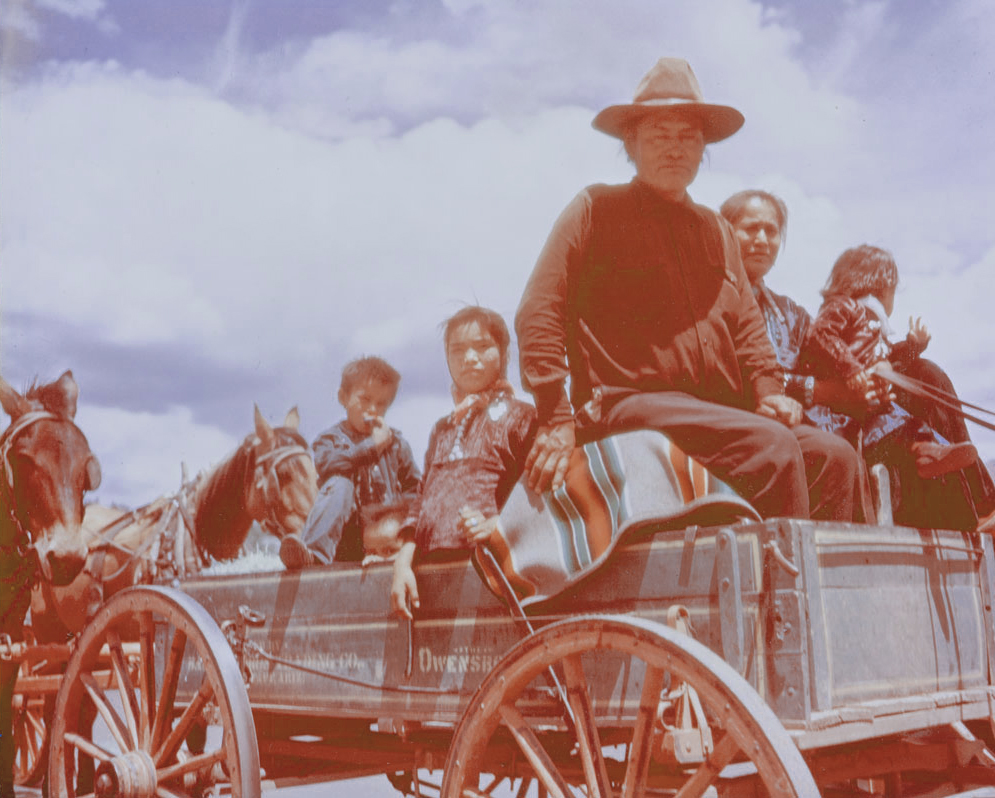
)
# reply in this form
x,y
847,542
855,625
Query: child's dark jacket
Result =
x,y
850,335
379,477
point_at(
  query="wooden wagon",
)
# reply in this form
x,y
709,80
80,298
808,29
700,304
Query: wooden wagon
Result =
x,y
777,658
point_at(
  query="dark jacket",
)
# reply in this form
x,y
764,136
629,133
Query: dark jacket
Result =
x,y
849,336
636,293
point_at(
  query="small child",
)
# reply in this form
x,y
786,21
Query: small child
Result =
x,y
363,466
475,454
382,534
849,340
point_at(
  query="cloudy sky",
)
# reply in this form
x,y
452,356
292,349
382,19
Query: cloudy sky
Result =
x,y
206,205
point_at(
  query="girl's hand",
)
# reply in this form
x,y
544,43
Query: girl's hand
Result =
x,y
404,590
918,332
475,528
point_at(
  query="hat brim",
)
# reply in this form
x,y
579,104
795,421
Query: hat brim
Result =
x,y
717,121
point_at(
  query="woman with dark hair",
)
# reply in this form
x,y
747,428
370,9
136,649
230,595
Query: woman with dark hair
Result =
x,y
475,454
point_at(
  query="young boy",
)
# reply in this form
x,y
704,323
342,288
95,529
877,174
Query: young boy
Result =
x,y
363,466
475,454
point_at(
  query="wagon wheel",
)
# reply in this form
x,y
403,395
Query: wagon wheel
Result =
x,y
31,716
515,726
140,720
30,722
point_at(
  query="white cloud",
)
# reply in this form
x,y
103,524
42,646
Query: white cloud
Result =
x,y
76,9
16,19
141,454
302,225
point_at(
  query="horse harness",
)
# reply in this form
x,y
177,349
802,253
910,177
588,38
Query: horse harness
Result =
x,y
267,481
22,545
265,478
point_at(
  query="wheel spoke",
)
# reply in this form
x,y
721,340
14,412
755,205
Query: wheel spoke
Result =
x,y
543,765
21,746
722,755
192,764
30,741
36,723
124,686
184,724
146,676
88,747
598,783
162,792
114,723
642,732
495,783
170,680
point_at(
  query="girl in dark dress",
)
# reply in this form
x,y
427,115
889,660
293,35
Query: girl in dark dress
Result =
x,y
475,454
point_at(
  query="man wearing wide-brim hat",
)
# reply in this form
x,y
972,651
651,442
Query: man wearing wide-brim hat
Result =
x,y
640,298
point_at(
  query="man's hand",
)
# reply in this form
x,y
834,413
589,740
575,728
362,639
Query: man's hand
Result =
x,y
546,465
781,408
382,434
918,332
404,589
475,528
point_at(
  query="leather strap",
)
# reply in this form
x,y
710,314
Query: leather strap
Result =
x,y
933,394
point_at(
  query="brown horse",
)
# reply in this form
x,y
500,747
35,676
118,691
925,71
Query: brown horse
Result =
x,y
47,465
269,479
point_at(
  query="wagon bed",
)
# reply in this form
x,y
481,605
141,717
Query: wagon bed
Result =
x,y
836,657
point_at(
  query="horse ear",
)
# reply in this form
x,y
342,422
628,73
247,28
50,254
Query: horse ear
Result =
x,y
293,419
12,402
65,396
263,430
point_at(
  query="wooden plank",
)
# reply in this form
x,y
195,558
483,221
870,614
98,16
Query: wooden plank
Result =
x,y
461,630
49,684
820,666
888,590
828,729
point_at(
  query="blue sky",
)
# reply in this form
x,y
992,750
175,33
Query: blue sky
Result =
x,y
205,205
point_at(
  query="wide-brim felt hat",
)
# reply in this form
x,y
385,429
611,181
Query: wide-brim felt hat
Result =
x,y
670,89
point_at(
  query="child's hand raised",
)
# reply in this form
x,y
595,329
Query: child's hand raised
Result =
x,y
918,333
382,434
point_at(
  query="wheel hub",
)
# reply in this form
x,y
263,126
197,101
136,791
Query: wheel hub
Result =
x,y
131,775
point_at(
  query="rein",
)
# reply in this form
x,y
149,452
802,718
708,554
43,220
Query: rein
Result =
x,y
942,398
6,444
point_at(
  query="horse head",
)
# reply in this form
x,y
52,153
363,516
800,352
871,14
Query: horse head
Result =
x,y
285,482
47,467
269,479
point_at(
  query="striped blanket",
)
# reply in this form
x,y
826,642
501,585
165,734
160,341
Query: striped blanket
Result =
x,y
613,486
